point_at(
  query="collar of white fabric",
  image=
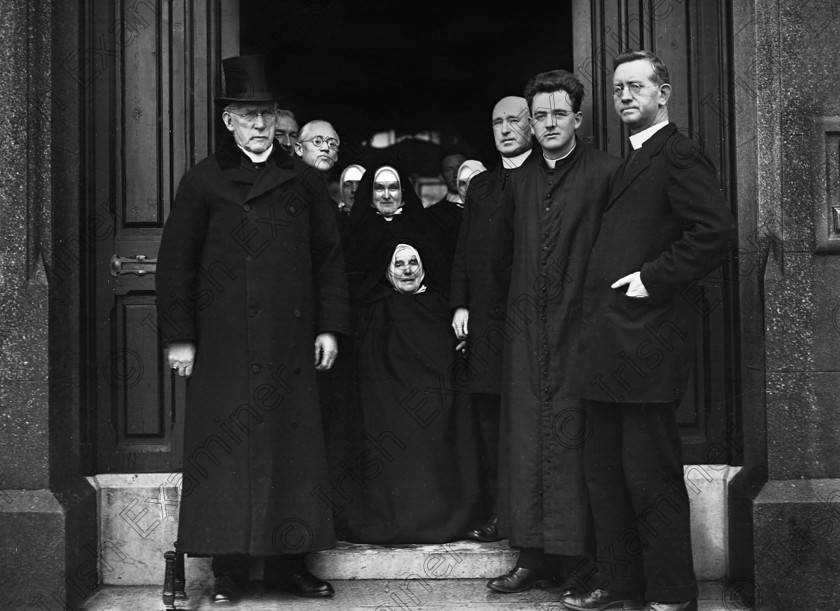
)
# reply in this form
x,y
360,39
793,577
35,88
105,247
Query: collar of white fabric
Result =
x,y
422,289
390,217
258,157
552,162
637,140
511,163
454,198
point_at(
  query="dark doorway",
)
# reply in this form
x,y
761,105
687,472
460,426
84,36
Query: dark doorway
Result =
x,y
149,116
368,66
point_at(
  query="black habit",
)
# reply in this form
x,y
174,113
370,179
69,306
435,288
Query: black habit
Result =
x,y
445,219
415,473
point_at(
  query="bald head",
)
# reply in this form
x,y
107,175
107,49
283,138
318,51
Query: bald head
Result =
x,y
511,130
324,155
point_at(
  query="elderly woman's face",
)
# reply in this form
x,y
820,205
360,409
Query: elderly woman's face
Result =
x,y
406,270
387,194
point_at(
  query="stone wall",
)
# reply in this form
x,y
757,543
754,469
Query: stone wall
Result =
x,y
48,551
788,530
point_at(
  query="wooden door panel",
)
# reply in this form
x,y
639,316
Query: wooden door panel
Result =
x,y
693,41
138,426
151,108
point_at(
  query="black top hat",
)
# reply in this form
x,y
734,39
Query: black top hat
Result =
x,y
244,79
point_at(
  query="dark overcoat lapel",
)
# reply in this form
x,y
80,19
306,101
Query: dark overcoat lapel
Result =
x,y
633,167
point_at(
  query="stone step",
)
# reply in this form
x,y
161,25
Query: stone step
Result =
x,y
457,560
379,595
138,522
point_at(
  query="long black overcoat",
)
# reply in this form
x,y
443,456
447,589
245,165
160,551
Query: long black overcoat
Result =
x,y
667,218
481,276
543,499
251,269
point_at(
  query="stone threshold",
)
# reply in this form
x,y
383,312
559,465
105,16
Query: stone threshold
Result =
x,y
138,522
380,595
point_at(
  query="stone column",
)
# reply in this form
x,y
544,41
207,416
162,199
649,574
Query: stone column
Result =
x,y
785,509
48,542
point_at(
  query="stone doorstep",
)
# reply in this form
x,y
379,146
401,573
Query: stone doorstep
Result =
x,y
379,595
138,522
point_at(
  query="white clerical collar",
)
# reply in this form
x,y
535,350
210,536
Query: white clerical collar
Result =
x,y
552,162
511,163
258,158
637,140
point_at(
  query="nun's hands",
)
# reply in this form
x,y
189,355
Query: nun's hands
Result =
x,y
181,357
326,349
460,323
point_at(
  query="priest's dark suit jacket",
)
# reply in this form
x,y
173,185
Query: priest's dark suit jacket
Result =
x,y
667,217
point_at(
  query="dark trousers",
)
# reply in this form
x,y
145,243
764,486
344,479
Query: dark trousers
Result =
x,y
238,566
553,565
486,407
634,472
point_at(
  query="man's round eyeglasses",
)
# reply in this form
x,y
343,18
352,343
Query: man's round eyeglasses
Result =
x,y
635,89
252,116
319,140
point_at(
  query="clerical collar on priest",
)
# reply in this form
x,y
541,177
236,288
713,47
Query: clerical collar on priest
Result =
x,y
511,163
637,140
553,162
258,157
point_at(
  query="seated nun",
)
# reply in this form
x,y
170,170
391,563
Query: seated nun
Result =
x,y
416,476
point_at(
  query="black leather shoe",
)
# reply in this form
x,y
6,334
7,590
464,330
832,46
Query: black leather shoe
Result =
x,y
601,600
225,591
690,605
520,579
487,532
574,584
303,583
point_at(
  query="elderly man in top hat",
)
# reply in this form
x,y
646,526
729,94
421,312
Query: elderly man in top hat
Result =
x,y
251,285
